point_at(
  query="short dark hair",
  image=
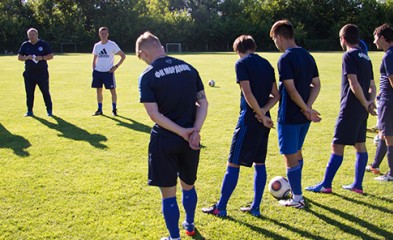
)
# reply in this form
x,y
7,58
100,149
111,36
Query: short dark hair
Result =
x,y
386,31
350,32
282,28
244,43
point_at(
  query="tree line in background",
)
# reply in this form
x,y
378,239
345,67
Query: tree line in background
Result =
x,y
200,25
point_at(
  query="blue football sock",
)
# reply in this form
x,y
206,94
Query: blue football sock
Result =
x,y
259,184
380,153
171,213
189,200
228,185
114,106
100,106
360,168
390,159
295,179
301,162
331,169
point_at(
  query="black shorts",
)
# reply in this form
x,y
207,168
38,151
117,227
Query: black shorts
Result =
x,y
170,157
385,115
103,78
249,141
350,131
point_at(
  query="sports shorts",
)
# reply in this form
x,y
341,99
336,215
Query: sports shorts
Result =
x,y
291,137
385,115
249,141
350,131
171,157
103,78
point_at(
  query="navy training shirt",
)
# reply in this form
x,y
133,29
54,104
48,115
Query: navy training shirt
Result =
x,y
260,73
40,48
355,62
296,64
172,84
386,70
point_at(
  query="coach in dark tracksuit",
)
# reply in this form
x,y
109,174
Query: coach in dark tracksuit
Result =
x,y
35,52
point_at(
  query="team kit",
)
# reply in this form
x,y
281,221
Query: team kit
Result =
x,y
172,92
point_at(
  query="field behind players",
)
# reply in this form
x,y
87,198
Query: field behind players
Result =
x,y
75,176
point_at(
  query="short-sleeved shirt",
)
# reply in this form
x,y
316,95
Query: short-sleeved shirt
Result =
x,y
260,73
40,48
386,70
105,55
172,84
296,64
358,63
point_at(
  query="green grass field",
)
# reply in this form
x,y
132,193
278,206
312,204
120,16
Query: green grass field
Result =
x,y
75,176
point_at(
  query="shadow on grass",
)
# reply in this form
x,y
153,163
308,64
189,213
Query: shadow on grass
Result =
x,y
378,232
367,204
389,200
69,130
130,123
17,143
303,233
258,229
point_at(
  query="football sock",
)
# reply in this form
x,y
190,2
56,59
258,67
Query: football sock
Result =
x,y
301,163
295,179
259,184
331,169
228,185
189,200
390,159
360,168
380,153
100,107
114,106
171,213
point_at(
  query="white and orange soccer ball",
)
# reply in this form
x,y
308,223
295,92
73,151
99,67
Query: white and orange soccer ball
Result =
x,y
279,187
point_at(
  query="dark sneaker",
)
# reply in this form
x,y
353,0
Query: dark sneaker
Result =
x,y
114,112
214,210
98,113
253,211
189,227
353,189
29,114
50,114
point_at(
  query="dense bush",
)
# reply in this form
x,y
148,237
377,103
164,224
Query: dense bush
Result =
x,y
200,25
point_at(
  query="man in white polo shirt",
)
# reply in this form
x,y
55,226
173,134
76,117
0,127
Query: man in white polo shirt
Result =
x,y
103,68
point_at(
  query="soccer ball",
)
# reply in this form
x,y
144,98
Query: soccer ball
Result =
x,y
279,187
212,83
376,140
